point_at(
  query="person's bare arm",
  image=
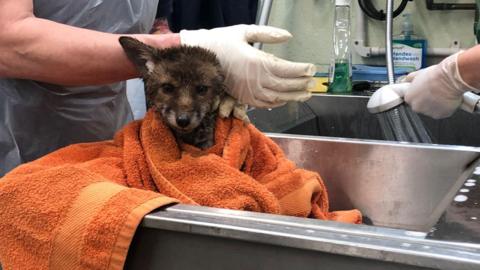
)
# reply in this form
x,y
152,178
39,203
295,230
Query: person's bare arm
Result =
x,y
469,66
43,50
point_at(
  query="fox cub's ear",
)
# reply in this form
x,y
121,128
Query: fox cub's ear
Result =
x,y
143,56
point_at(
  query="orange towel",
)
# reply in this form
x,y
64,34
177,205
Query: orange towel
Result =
x,y
79,207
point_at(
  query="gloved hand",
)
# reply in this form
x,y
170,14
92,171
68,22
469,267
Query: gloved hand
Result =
x,y
254,77
437,91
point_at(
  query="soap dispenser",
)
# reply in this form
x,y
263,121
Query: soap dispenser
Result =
x,y
409,50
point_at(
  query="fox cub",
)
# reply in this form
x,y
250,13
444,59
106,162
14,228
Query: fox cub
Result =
x,y
183,85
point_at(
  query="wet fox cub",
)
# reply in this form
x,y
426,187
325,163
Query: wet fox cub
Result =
x,y
184,86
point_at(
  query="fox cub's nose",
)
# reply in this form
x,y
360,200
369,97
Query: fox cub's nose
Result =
x,y
183,121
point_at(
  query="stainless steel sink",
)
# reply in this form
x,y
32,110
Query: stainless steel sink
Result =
x,y
347,117
402,189
395,185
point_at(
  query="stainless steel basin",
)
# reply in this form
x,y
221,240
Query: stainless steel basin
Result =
x,y
405,187
347,117
406,192
395,185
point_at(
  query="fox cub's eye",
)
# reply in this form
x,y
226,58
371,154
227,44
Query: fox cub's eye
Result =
x,y
202,89
168,88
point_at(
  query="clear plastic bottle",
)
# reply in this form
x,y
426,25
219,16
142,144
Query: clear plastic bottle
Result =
x,y
341,66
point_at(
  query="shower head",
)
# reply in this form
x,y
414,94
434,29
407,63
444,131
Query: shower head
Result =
x,y
387,97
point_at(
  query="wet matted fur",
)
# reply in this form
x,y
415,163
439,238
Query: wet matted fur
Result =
x,y
183,84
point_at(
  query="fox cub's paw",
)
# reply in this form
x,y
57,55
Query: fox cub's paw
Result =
x,y
228,105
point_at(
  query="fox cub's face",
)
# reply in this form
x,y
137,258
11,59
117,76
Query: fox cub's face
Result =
x,y
183,84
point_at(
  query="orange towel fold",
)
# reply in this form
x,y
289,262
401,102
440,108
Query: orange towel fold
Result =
x,y
79,207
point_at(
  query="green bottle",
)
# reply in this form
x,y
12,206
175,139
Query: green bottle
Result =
x,y
340,79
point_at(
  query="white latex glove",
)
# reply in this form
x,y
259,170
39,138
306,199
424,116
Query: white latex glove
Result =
x,y
254,77
437,91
